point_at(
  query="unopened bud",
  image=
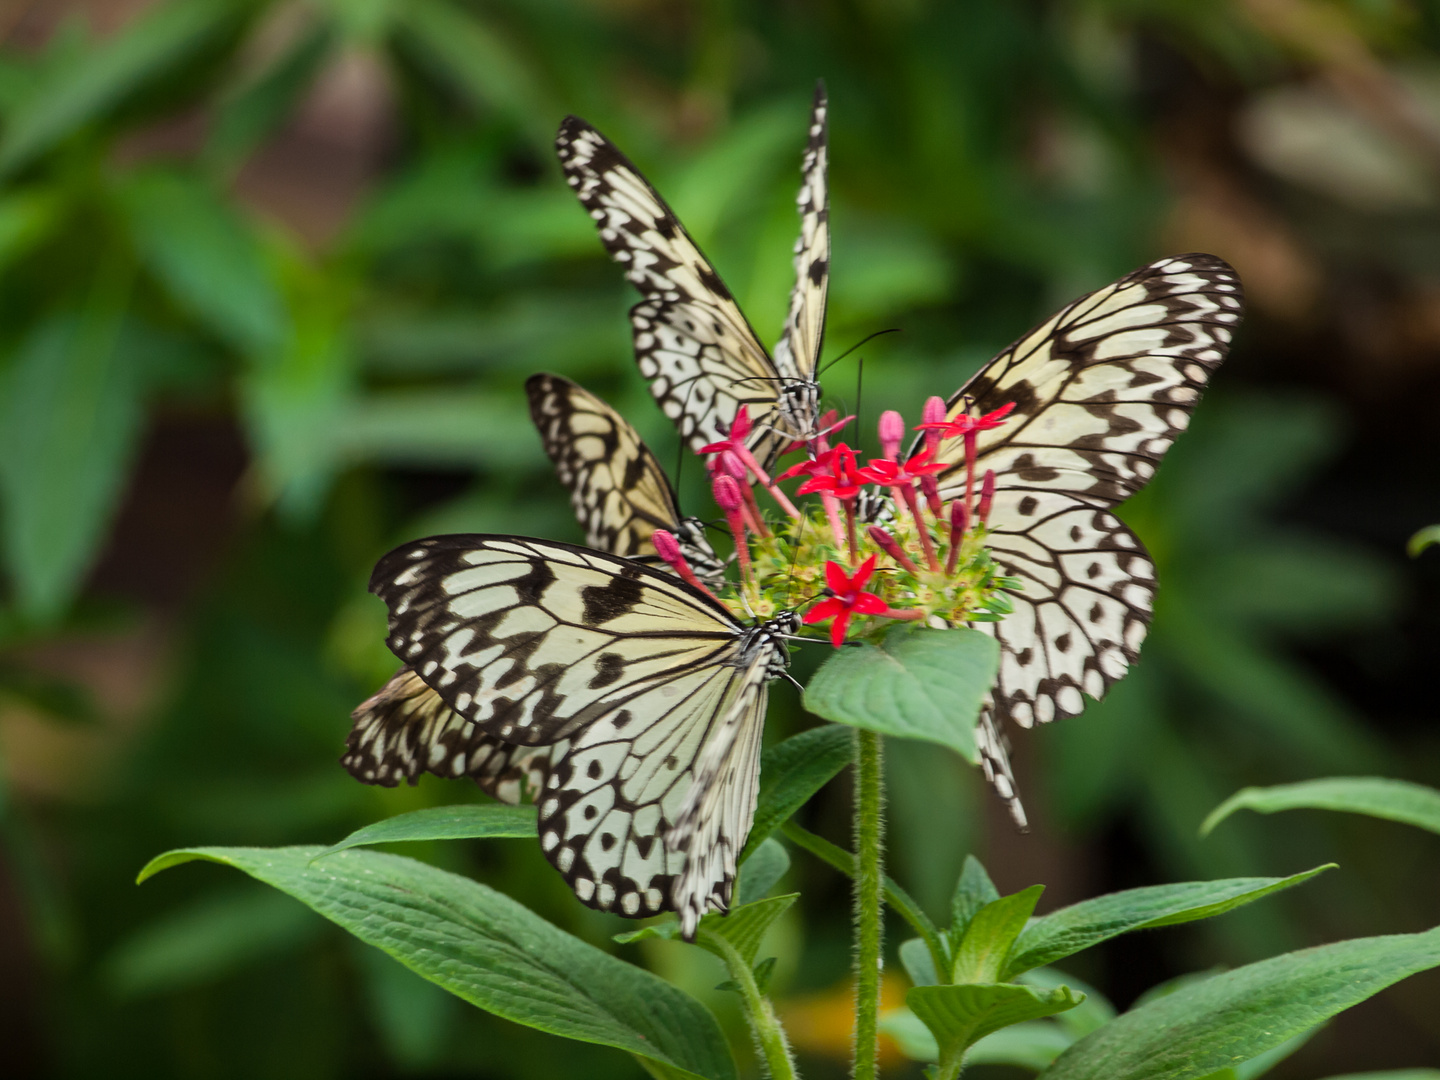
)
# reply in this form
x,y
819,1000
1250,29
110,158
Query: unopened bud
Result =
x,y
933,413
727,493
892,432
887,543
729,463
666,546
987,495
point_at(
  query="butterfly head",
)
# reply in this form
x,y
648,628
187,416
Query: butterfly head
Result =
x,y
799,406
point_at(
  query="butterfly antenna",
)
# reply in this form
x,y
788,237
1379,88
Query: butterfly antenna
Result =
x,y
862,341
859,418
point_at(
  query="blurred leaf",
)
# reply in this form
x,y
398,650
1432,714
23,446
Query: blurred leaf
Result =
x,y
1030,1044
1239,1014
479,61
70,95
1375,796
486,821
25,218
982,953
252,111
1392,1074
791,773
1092,1013
1418,543
413,1016
918,963
759,874
959,1016
918,684
68,427
207,256
1072,929
888,270
437,428
489,950
208,941
1306,585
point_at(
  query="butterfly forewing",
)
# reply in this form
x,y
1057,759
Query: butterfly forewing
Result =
x,y
798,352
1101,390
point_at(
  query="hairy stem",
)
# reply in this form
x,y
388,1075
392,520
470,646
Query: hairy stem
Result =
x,y
764,1024
869,886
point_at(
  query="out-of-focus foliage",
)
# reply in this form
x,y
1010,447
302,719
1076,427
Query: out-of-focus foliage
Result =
x,y
272,276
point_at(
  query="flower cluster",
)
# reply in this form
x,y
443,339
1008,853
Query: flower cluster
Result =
x,y
884,542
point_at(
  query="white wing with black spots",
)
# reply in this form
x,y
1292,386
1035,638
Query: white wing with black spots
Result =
x,y
1101,390
692,342
536,643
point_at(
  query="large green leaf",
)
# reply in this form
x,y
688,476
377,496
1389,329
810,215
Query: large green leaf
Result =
x,y
741,930
973,890
96,80
486,821
959,1016
794,770
1225,1020
69,420
1376,796
1079,926
487,949
982,952
918,683
206,255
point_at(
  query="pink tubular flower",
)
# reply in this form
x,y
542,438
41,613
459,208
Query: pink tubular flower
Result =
x,y
729,499
833,471
735,443
847,597
892,433
668,548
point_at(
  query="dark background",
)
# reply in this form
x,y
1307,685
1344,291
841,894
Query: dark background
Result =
x,y
272,276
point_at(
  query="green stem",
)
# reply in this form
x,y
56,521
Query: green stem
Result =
x,y
899,900
758,1011
869,887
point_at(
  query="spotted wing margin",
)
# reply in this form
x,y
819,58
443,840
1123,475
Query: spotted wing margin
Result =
x,y
619,491
797,354
405,729
613,817
533,639
1103,388
692,342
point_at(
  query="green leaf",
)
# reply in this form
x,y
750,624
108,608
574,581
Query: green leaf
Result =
x,y
26,217
1079,926
1392,1074
1376,796
1419,542
918,683
412,1017
981,955
1030,1044
761,871
1228,1019
973,891
206,256
959,1016
741,930
487,949
72,94
1094,1012
211,939
488,821
69,420
793,771
918,963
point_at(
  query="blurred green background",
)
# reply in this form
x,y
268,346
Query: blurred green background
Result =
x,y
272,276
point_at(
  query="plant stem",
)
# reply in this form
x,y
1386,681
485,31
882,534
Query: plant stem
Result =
x,y
902,902
758,1011
869,887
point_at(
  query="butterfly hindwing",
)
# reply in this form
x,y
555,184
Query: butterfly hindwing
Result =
x,y
1101,390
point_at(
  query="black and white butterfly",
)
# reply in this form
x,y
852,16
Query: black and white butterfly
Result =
x,y
631,700
1101,390
620,493
692,342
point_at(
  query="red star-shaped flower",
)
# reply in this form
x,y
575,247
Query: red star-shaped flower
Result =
x,y
847,597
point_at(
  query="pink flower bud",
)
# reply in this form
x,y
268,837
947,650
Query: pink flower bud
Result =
x,y
729,463
727,493
933,413
887,543
666,546
892,432
987,495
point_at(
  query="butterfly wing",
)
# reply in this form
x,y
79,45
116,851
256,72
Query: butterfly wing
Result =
x,y
619,492
797,354
692,342
1101,390
534,642
406,729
